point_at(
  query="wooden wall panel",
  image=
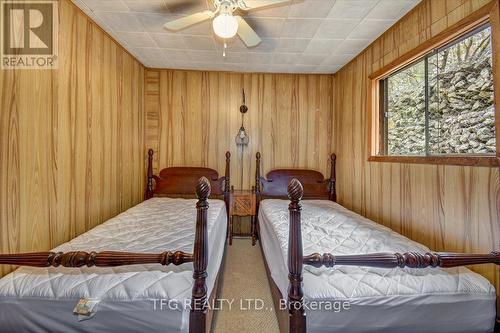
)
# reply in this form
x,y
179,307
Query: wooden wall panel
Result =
x,y
71,139
444,207
192,118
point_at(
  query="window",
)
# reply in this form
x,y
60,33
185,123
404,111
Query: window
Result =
x,y
436,103
443,102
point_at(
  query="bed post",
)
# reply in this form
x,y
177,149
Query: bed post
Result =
x,y
149,183
295,293
332,195
227,181
257,189
198,315
257,173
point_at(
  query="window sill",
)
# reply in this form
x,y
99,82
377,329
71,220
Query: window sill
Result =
x,y
484,161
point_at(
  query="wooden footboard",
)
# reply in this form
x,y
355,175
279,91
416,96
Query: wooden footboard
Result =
x,y
296,260
98,259
198,314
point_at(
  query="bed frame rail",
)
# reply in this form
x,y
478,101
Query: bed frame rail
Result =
x,y
296,260
198,314
98,259
408,259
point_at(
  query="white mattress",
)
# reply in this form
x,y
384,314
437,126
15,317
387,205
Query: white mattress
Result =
x,y
42,299
381,300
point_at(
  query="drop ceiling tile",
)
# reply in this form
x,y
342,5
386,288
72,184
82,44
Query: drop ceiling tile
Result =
x,y
311,9
327,69
187,6
352,46
280,69
335,59
312,59
121,21
370,29
260,58
199,42
336,28
176,55
267,45
352,9
169,40
137,39
391,9
154,22
300,28
109,6
157,64
222,67
273,11
292,45
232,67
204,56
150,6
235,44
152,54
318,45
286,58
266,27
258,68
306,69
234,57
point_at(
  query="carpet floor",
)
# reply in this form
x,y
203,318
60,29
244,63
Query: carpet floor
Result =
x,y
244,281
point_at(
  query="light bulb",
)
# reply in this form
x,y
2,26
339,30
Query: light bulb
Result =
x,y
225,25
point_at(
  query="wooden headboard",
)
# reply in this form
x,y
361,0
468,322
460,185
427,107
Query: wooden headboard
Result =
x,y
181,181
275,184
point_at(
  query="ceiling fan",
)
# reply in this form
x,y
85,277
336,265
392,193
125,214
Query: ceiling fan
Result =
x,y
225,24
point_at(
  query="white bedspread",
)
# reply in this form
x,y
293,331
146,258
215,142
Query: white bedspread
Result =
x,y
381,300
42,299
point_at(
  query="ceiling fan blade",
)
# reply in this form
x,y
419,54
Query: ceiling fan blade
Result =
x,y
246,33
189,20
254,4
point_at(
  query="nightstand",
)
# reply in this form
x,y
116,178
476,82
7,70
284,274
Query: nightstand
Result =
x,y
242,203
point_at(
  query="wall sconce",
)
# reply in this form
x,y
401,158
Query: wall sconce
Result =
x,y
242,138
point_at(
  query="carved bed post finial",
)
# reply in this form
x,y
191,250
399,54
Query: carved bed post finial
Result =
x,y
227,182
295,293
227,175
197,318
149,183
333,178
257,173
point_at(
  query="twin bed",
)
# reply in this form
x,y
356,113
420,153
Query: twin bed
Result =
x,y
369,278
370,291
140,288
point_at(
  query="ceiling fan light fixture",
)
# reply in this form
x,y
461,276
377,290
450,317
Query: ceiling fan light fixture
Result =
x,y
225,25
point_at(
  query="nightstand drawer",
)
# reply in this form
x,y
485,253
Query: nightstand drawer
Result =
x,y
242,203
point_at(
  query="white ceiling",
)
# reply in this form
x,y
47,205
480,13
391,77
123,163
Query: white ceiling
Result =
x,y
305,36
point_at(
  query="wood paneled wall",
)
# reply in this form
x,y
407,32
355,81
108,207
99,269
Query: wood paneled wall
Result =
x,y
70,139
193,118
444,207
